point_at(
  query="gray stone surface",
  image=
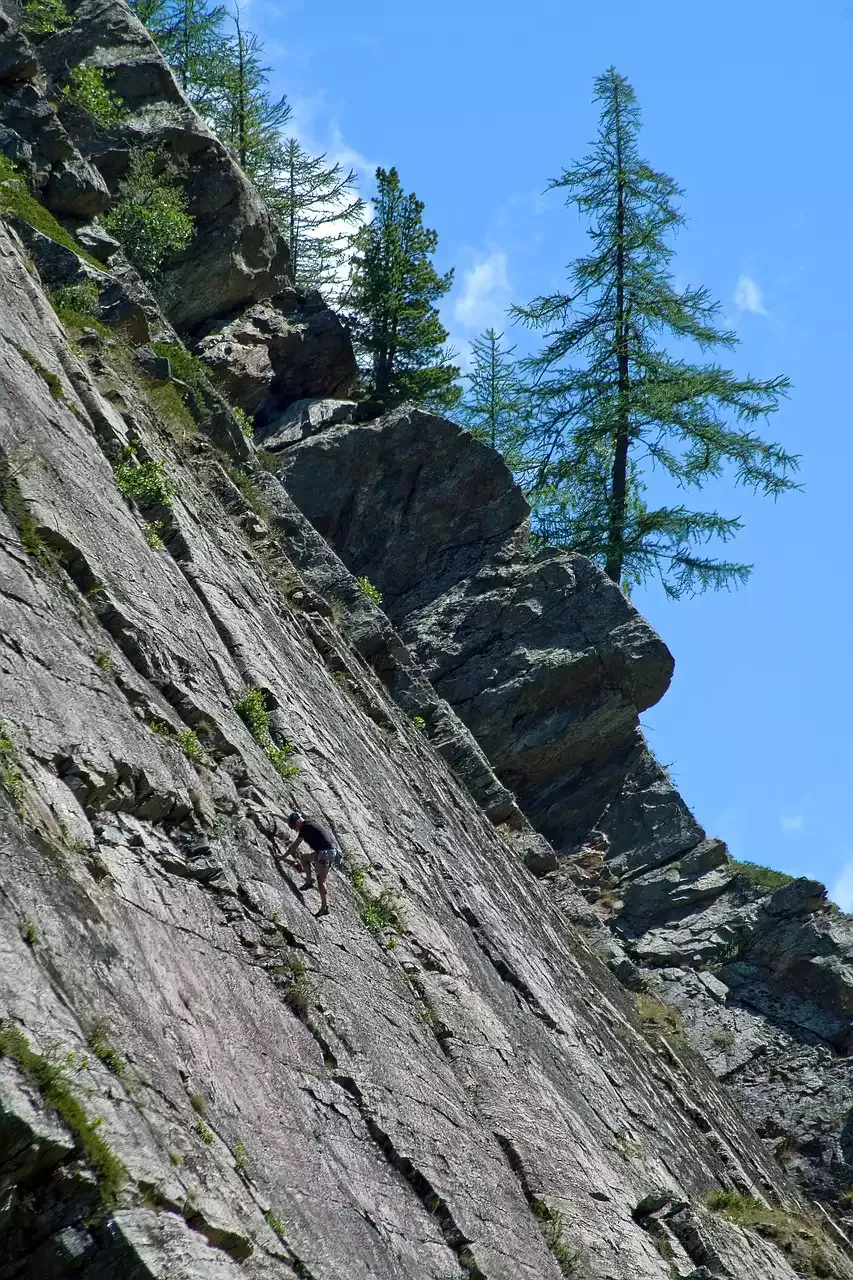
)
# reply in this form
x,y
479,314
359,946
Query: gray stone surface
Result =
x,y
542,657
400,1109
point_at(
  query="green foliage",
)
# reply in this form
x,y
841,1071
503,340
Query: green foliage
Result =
x,y
190,35
16,199
799,1235
205,1133
293,982
241,1158
51,380
251,707
149,218
357,872
152,532
660,1016
190,745
79,299
275,1223
496,404
279,758
56,1095
381,913
87,88
249,490
145,481
372,593
611,399
185,366
104,661
315,203
43,17
394,322
419,723
551,1224
103,1050
11,778
760,877
18,510
244,421
28,930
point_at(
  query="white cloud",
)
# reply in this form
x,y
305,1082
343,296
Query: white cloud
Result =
x,y
748,295
842,891
485,294
792,822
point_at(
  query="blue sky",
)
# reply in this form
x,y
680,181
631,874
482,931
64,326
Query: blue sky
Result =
x,y
746,106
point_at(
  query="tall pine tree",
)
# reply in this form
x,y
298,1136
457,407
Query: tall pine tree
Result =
x,y
315,205
394,286
496,403
615,395
245,115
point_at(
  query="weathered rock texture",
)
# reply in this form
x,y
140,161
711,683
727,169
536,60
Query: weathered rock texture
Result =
x,y
451,1075
549,665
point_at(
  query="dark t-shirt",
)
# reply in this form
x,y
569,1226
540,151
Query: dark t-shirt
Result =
x,y
315,836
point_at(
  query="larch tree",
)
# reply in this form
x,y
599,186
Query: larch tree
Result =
x,y
190,34
395,324
316,207
617,398
495,403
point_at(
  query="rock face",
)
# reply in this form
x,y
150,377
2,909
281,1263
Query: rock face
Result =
x,y
549,665
542,657
461,1072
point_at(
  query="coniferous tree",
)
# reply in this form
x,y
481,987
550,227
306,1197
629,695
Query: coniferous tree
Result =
x,y
612,399
245,115
315,205
191,36
394,286
495,405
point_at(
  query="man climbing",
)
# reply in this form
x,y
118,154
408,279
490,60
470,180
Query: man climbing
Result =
x,y
321,853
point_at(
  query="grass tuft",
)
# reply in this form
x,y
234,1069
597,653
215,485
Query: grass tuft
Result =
x,y
660,1016
103,1050
551,1224
28,931
145,481
16,199
372,593
57,1096
760,877
11,778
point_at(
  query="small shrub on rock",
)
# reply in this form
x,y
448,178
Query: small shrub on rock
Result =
x,y
146,481
372,593
251,707
760,877
88,89
11,778
150,218
43,17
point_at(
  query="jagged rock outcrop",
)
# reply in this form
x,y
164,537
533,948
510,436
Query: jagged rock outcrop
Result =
x,y
548,665
542,657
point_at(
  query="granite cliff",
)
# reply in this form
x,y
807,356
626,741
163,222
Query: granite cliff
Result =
x,y
465,1070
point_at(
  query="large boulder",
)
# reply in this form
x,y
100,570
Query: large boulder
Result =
x,y
541,654
281,350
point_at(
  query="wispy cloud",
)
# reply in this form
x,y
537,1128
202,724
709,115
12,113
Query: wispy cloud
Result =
x,y
842,891
485,294
748,295
792,822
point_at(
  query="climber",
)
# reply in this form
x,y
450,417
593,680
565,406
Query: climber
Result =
x,y
323,851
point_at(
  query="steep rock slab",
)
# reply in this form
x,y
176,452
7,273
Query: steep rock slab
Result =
x,y
539,653
285,1096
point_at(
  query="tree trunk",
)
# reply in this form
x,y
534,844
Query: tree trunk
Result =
x,y
619,474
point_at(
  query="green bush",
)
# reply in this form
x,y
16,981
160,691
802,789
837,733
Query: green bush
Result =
x,y
372,593
185,366
11,778
28,930
43,17
87,89
191,747
150,219
760,877
249,490
381,913
103,1050
245,422
146,481
251,707
241,1158
205,1133
279,758
152,532
16,199
80,299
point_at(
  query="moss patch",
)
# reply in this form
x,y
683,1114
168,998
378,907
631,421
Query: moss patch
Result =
x,y
15,198
56,1095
